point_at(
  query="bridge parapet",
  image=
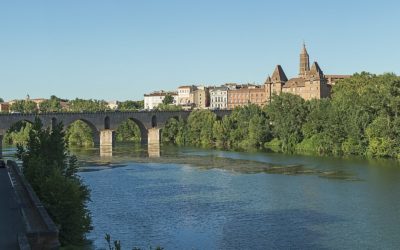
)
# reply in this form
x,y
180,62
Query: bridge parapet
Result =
x,y
41,231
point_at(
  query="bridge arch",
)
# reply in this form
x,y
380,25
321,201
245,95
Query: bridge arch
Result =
x,y
142,128
14,127
154,121
53,122
93,128
107,122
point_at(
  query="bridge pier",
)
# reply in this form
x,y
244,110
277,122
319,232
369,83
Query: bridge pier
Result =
x,y
153,139
107,137
107,142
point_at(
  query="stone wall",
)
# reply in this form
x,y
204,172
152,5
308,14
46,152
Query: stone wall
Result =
x,y
41,232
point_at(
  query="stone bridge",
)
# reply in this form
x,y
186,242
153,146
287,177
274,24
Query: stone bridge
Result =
x,y
104,124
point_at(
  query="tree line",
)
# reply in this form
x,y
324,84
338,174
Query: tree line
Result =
x,y
360,118
54,104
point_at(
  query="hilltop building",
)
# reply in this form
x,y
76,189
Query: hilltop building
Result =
x,y
186,95
311,83
4,107
219,97
153,99
246,94
201,97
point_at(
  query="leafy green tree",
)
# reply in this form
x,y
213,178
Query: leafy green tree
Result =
x,y
18,133
128,131
51,171
259,131
51,105
221,130
1,100
384,137
174,132
81,105
168,99
287,113
79,134
245,125
200,128
130,105
23,106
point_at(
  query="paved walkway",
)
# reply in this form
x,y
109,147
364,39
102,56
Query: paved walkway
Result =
x,y
10,217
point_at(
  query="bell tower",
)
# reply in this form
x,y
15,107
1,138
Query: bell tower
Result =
x,y
304,62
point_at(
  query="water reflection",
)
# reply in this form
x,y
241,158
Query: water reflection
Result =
x,y
154,150
106,152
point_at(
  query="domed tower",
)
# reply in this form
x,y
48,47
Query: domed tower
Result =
x,y
304,62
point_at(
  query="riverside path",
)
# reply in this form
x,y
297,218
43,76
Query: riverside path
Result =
x,y
10,217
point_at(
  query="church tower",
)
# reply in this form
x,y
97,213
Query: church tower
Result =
x,y
304,62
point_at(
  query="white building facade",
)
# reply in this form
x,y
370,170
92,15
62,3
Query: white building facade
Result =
x,y
152,100
219,98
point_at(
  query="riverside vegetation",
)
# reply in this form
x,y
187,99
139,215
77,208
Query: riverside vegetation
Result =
x,y
51,171
360,118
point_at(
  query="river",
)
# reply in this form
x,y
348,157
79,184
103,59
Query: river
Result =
x,y
192,198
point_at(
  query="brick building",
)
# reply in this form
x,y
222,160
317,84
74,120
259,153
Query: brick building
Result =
x,y
245,94
4,107
311,83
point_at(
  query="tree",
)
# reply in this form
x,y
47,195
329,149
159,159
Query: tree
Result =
x,y
174,132
51,105
128,131
18,133
131,105
24,106
287,113
1,100
79,134
200,128
80,105
168,99
51,171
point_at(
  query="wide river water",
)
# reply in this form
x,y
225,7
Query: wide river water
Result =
x,y
192,198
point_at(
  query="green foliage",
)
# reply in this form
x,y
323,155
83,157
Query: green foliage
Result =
x,y
52,173
81,105
361,118
79,134
51,105
131,105
18,133
247,127
287,113
128,131
23,106
1,99
174,132
200,128
168,99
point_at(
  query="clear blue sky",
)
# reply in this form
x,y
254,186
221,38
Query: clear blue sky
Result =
x,y
118,50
